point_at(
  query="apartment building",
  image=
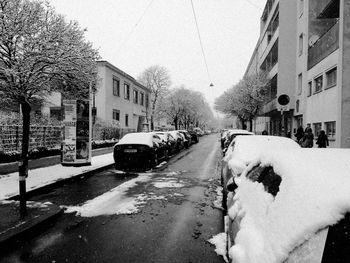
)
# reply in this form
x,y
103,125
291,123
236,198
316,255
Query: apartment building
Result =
x,y
275,54
121,98
304,46
323,69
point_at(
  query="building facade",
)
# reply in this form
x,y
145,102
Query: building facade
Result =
x,y
316,77
275,54
121,98
323,69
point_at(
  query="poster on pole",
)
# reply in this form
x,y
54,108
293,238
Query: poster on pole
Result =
x,y
69,134
76,146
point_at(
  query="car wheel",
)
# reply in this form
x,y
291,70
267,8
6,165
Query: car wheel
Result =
x,y
155,161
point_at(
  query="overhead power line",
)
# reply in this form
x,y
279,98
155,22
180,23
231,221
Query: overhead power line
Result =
x,y
253,4
200,41
135,26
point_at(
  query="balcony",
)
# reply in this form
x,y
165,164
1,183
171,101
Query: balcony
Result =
x,y
324,46
330,9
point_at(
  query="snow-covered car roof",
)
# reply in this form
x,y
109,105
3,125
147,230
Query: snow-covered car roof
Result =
x,y
175,134
162,135
247,148
143,138
239,131
313,194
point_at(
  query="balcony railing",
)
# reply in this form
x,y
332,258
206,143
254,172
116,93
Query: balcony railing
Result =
x,y
324,46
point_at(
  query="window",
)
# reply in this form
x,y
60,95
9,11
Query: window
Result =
x,y
317,128
331,77
56,113
126,120
267,177
300,83
116,115
116,87
126,91
297,105
147,101
142,98
136,96
330,129
318,84
301,43
309,88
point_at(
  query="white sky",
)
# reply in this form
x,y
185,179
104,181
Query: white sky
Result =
x,y
166,35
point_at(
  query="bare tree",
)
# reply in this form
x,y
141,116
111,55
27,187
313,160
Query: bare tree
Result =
x,y
185,108
158,80
40,53
245,99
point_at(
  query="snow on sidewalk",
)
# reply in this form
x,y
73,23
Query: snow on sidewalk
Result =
x,y
48,175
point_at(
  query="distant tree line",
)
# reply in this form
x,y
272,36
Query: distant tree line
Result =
x,y
245,99
180,106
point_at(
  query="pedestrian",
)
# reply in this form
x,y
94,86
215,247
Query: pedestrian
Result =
x,y
308,139
299,134
322,140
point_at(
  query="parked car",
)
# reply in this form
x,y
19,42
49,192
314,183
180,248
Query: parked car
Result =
x,y
244,149
180,143
223,138
291,206
230,135
169,140
139,151
188,139
199,131
194,136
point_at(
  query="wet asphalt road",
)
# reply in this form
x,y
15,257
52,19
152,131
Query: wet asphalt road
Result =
x,y
173,224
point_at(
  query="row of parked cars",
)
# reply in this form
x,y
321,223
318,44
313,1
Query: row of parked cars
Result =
x,y
284,203
144,150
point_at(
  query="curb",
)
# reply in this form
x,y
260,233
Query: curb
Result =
x,y
6,168
60,182
29,226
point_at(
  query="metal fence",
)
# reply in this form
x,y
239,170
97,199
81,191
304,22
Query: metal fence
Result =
x,y
40,136
49,136
108,133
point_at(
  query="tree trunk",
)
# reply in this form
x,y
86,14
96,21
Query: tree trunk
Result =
x,y
23,165
243,124
175,124
152,124
250,125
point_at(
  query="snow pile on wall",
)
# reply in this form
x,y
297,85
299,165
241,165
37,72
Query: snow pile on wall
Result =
x,y
314,193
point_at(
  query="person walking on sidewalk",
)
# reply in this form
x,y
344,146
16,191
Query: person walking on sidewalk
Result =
x,y
322,140
308,139
299,134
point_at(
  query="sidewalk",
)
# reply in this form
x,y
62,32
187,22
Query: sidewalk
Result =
x,y
11,225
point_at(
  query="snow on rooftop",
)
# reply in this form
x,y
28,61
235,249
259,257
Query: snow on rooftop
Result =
x,y
314,193
143,138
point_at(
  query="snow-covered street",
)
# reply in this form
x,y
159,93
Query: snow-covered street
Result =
x,y
169,214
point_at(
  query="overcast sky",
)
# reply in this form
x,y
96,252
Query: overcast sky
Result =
x,y
136,34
